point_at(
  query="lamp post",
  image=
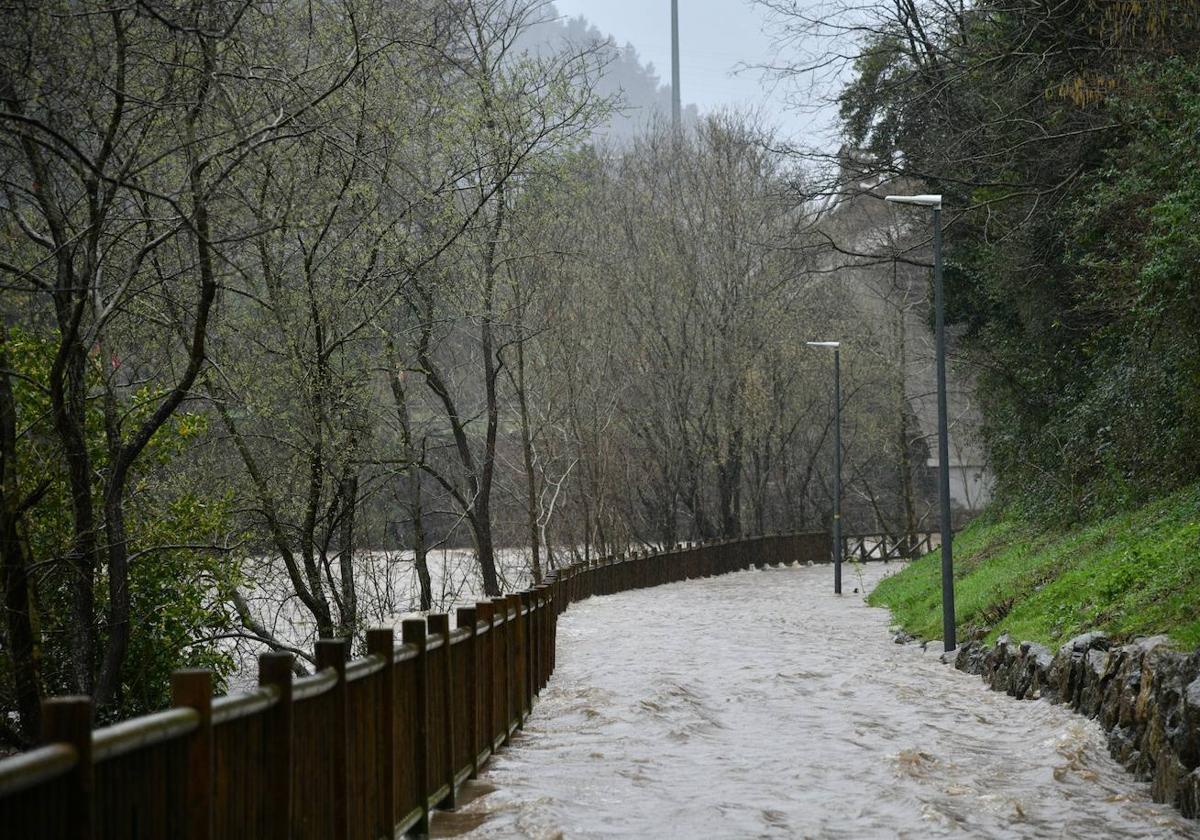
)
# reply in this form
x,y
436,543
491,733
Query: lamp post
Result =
x,y
837,460
934,203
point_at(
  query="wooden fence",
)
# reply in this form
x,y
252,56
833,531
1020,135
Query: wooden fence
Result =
x,y
887,547
360,749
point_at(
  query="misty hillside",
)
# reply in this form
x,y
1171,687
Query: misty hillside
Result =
x,y
644,96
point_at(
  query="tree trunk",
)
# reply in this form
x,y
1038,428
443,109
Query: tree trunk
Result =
x,y
531,493
729,479
67,396
906,472
415,502
117,645
481,526
349,505
14,563
420,548
482,520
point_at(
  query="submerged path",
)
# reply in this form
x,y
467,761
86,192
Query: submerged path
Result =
x,y
759,705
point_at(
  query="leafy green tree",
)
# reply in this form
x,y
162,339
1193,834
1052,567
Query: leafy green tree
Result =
x,y
179,574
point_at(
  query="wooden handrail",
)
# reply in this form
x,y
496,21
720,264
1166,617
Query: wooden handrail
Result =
x,y
138,733
314,685
362,668
404,653
36,767
234,706
418,718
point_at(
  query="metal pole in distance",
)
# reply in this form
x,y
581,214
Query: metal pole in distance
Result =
x,y
675,95
837,479
838,548
948,629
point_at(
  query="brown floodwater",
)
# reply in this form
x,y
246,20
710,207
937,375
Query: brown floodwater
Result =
x,y
761,705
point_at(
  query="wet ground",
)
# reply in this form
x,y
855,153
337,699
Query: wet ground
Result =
x,y
761,705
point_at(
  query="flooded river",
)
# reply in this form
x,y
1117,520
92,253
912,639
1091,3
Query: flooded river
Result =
x,y
760,705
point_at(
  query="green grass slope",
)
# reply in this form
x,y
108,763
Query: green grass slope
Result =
x,y
1133,574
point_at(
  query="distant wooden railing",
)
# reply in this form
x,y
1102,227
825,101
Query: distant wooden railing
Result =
x,y
360,749
887,547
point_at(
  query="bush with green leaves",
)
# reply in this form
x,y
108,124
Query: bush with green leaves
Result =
x,y
179,578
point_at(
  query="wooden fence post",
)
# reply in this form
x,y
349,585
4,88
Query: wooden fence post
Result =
x,y
559,602
468,617
536,614
553,595
547,616
527,650
381,641
486,613
193,688
505,666
332,653
439,624
275,670
517,644
414,632
68,720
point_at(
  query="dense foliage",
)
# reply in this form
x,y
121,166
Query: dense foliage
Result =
x,y
178,577
296,293
1064,137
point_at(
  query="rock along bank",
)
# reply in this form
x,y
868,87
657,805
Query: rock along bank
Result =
x,y
1145,695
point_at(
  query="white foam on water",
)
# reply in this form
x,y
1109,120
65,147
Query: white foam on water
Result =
x,y
761,705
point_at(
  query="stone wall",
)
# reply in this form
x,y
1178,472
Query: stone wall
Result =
x,y
1145,695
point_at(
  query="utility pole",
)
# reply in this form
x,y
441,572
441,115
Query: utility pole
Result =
x,y
675,119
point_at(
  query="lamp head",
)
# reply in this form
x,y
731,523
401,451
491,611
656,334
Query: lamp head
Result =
x,y
834,344
934,201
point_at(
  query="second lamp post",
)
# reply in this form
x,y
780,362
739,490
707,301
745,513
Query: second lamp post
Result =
x,y
837,459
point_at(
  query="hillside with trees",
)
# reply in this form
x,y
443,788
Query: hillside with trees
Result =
x,y
295,296
1064,139
301,302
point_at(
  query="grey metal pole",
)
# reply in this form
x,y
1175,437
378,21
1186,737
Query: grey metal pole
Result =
x,y
948,629
675,100
837,479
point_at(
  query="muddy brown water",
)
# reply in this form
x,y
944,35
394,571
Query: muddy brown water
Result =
x,y
760,705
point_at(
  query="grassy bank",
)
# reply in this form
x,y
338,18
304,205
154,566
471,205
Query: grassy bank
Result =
x,y
1137,573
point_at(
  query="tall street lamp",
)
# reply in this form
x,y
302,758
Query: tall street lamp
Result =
x,y
934,202
837,459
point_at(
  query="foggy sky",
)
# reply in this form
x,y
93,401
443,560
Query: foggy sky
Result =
x,y
715,36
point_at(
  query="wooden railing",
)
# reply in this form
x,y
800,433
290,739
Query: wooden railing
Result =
x,y
886,547
360,749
